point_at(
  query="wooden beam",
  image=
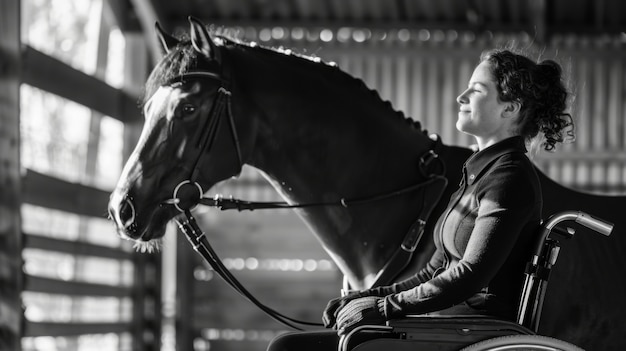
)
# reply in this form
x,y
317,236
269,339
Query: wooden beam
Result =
x,y
45,72
122,14
74,329
72,288
46,191
74,247
148,15
11,315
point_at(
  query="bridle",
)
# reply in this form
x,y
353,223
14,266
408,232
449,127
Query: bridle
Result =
x,y
222,107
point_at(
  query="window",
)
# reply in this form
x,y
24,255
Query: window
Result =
x,y
67,256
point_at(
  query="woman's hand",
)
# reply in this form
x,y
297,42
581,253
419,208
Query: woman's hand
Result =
x,y
360,311
329,316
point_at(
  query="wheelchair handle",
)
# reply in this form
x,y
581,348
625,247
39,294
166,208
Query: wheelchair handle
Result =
x,y
601,226
596,224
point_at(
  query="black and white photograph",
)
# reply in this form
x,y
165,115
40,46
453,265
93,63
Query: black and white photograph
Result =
x,y
312,175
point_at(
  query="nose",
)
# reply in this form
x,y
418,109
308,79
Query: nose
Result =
x,y
124,216
127,213
462,99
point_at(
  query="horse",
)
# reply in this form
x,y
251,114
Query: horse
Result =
x,y
321,136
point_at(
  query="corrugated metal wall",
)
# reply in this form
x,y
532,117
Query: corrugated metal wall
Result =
x,y
421,73
423,79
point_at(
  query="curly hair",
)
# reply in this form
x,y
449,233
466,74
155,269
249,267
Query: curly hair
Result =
x,y
540,91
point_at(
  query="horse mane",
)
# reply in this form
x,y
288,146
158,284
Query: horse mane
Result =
x,y
184,58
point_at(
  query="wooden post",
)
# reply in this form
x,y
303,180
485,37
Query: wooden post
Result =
x,y
11,314
147,297
184,260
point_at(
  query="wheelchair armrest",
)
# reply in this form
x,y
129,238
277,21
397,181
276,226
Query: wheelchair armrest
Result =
x,y
462,323
430,333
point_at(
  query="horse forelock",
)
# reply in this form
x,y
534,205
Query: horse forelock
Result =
x,y
180,60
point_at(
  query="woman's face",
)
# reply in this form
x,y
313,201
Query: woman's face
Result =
x,y
480,111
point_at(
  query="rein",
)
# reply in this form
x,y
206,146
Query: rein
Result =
x,y
201,245
231,203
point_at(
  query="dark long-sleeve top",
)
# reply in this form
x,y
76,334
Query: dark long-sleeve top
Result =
x,y
483,240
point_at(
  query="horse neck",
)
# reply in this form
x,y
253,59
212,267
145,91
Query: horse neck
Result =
x,y
321,142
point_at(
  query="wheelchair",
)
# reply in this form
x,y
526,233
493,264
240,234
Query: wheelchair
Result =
x,y
481,333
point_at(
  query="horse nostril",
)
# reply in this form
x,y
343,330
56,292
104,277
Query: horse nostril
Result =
x,y
127,213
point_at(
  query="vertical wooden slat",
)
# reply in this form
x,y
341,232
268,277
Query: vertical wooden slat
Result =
x,y
417,95
432,95
387,78
615,117
448,104
357,64
567,173
146,322
184,290
599,119
11,280
466,68
402,87
371,72
583,124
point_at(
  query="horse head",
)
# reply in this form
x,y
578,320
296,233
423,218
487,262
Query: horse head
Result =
x,y
189,140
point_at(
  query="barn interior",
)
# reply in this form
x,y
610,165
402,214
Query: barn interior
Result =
x,y
72,76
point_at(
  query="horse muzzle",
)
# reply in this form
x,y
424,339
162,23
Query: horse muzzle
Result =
x,y
123,213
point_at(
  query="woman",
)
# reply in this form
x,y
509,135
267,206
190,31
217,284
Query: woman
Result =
x,y
484,238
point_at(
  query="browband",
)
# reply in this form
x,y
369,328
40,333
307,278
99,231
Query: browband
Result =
x,y
194,75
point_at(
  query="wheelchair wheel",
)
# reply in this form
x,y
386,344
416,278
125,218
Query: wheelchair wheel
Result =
x,y
522,343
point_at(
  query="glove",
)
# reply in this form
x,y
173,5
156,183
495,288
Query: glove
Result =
x,y
335,305
360,311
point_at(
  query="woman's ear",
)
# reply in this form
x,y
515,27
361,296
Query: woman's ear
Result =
x,y
512,109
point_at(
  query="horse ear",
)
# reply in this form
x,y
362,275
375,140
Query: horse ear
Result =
x,y
167,41
201,40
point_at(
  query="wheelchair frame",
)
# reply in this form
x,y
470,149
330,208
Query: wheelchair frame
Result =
x,y
451,333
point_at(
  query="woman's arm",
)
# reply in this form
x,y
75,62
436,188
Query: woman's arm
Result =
x,y
506,203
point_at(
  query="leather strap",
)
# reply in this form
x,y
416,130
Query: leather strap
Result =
x,y
403,255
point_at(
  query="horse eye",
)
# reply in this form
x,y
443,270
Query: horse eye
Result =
x,y
188,109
